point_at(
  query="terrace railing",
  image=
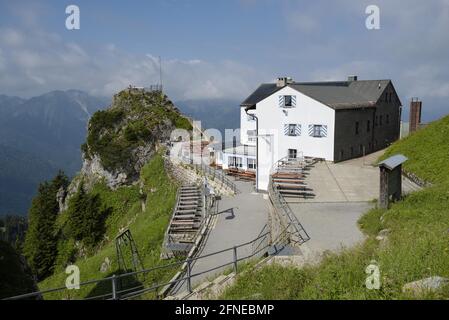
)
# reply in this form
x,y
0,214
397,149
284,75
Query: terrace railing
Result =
x,y
213,173
259,247
297,232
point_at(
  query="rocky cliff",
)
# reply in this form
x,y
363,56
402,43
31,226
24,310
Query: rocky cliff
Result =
x,y
123,138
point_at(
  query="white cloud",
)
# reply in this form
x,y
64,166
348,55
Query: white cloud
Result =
x,y
44,61
11,37
2,60
301,21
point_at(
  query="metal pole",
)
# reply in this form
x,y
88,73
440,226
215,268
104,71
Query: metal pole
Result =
x,y
235,259
114,287
189,280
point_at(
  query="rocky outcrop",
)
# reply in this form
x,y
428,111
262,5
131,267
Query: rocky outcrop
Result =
x,y
425,286
382,237
124,137
93,170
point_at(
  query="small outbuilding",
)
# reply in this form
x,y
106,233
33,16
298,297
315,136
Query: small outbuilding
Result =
x,y
391,179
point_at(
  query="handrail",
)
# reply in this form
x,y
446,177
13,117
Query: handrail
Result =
x,y
114,278
282,207
212,172
167,235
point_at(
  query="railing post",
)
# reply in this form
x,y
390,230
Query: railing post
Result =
x,y
114,287
189,273
235,259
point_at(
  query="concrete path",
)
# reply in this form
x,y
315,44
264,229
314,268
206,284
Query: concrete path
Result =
x,y
343,193
331,226
240,219
355,180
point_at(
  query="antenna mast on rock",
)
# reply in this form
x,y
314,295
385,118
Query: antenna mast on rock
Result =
x,y
160,71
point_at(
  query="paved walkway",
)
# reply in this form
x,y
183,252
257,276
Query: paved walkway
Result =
x,y
354,180
343,193
240,219
331,226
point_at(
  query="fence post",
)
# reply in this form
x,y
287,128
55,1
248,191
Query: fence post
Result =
x,y
114,287
235,259
189,279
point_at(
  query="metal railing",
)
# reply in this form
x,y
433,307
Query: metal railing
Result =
x,y
129,293
415,179
207,205
213,173
281,206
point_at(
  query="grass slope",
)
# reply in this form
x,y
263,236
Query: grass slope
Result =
x,y
418,245
147,229
428,151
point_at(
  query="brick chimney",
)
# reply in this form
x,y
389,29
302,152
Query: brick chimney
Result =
x,y
283,81
415,114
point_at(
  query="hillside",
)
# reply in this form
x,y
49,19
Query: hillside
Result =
x,y
20,174
38,136
147,228
123,168
15,275
416,246
428,151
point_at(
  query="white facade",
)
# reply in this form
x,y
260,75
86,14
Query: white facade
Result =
x,y
241,157
247,128
305,125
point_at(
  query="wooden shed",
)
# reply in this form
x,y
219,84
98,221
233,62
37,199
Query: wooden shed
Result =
x,y
391,179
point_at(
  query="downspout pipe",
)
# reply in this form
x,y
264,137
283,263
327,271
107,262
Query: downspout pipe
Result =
x,y
257,147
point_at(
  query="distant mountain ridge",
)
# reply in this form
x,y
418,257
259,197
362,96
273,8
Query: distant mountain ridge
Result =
x,y
39,136
219,114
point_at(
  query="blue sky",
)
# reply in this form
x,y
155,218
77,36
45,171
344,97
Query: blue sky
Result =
x,y
224,49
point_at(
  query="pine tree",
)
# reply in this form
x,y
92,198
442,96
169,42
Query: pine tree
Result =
x,y
40,247
86,217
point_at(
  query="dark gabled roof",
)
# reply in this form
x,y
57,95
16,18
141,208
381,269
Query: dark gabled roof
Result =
x,y
264,90
336,94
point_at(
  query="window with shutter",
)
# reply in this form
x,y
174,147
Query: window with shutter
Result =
x,y
292,130
287,101
317,130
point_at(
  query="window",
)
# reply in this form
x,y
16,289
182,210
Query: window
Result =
x,y
380,120
251,135
235,162
356,127
341,154
292,129
376,121
361,149
388,118
368,126
352,151
317,130
287,101
252,164
292,153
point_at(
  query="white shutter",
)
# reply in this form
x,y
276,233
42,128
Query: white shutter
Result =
x,y
281,101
